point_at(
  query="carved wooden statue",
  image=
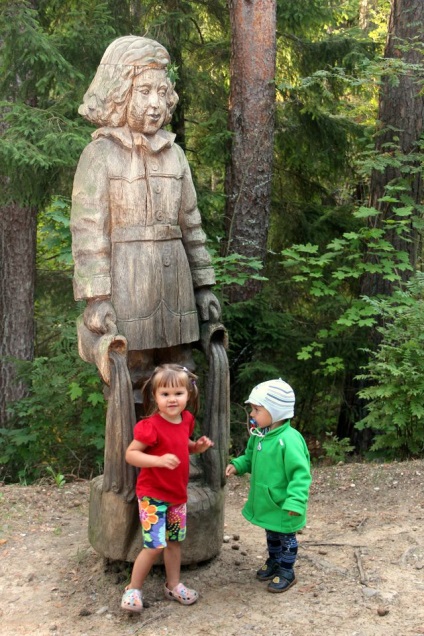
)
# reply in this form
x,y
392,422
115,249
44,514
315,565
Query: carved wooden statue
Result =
x,y
142,267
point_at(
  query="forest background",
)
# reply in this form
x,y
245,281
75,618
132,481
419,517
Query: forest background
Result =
x,y
314,223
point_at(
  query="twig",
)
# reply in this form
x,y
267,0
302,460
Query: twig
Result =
x,y
336,545
361,523
362,576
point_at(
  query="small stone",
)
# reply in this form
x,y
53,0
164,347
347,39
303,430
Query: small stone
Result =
x,y
84,612
235,546
382,611
236,537
226,539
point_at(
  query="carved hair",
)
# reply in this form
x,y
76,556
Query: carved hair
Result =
x,y
170,375
105,102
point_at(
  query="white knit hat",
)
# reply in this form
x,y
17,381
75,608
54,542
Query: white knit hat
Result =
x,y
276,396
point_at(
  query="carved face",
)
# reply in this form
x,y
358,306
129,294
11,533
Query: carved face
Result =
x,y
147,105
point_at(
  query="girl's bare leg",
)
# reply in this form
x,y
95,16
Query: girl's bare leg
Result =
x,y
142,566
172,560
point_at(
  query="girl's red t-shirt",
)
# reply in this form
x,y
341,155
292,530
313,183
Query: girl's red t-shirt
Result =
x,y
163,437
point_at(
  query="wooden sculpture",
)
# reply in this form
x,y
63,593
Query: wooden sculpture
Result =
x,y
143,269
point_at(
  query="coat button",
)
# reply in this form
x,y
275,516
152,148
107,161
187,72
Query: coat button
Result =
x,y
160,215
166,257
157,188
154,166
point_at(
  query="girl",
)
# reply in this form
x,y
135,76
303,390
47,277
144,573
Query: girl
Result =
x,y
161,448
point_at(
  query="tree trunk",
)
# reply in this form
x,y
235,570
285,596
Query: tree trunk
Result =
x,y
251,121
17,281
366,14
401,111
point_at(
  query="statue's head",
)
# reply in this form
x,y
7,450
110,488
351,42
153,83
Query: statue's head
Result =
x,y
105,102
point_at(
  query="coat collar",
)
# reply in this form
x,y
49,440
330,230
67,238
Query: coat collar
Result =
x,y
153,144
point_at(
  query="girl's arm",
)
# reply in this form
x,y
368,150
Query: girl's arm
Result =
x,y
136,456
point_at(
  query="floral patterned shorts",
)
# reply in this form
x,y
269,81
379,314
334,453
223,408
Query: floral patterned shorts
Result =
x,y
161,522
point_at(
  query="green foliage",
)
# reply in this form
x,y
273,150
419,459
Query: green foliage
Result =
x,y
394,375
29,59
54,248
337,450
331,273
61,421
58,478
44,68
235,269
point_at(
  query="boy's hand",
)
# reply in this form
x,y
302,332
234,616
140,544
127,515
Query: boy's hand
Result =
x,y
230,470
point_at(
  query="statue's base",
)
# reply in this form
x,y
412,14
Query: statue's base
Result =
x,y
114,529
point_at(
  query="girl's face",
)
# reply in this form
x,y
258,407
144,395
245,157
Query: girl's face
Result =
x,y
261,416
171,401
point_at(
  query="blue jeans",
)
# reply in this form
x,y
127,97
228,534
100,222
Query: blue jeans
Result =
x,y
282,548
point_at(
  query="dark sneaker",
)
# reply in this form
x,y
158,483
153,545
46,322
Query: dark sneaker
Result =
x,y
282,580
267,571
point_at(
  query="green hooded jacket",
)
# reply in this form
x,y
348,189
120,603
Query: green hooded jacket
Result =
x,y
280,478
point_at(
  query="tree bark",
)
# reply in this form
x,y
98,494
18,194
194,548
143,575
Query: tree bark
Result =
x,y
251,121
17,281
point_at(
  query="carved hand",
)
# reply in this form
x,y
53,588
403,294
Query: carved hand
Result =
x,y
100,316
207,304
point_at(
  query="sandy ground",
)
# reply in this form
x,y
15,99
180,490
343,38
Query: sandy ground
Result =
x,y
360,569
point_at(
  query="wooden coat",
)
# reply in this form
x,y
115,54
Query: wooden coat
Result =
x,y
137,236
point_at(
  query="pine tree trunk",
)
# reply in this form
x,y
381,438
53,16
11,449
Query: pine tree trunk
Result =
x,y
17,280
251,121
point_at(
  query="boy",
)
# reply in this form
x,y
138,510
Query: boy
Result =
x,y
278,459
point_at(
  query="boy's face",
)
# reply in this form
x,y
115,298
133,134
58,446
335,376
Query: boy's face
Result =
x,y
261,416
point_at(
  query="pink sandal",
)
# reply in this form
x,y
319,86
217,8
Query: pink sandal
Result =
x,y
132,600
182,594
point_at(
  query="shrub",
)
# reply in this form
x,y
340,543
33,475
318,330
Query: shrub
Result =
x,y
61,421
394,376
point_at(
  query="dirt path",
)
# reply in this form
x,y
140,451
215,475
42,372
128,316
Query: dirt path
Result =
x,y
360,569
